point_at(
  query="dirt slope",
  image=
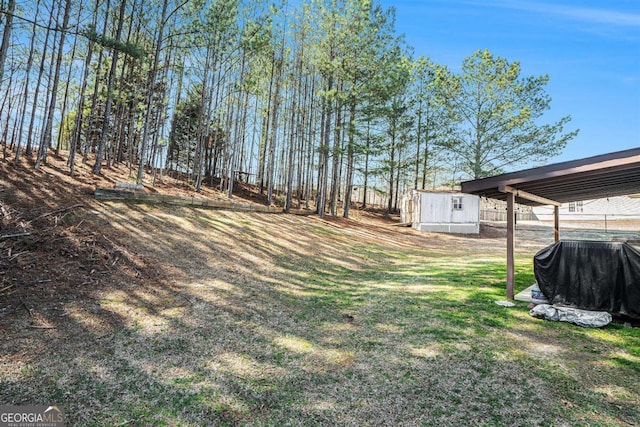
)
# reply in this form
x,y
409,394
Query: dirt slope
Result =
x,y
56,245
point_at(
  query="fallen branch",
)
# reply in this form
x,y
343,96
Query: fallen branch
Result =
x,y
18,254
40,327
12,236
57,212
8,287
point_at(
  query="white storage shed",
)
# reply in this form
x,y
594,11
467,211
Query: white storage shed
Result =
x,y
440,211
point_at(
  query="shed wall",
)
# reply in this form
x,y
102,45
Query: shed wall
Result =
x,y
438,208
435,212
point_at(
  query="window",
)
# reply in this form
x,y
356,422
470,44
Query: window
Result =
x,y
575,207
457,203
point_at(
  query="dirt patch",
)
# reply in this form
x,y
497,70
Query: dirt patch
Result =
x,y
56,258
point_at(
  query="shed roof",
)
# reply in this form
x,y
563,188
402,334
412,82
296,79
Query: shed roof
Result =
x,y
607,175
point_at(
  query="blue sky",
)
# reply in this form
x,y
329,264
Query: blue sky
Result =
x,y
590,50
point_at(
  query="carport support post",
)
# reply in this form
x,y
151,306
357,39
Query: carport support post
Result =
x,y
556,224
511,232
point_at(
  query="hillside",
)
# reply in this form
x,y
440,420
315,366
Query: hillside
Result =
x,y
133,314
55,245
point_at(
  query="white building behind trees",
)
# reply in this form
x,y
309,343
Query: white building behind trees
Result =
x,y
612,208
439,211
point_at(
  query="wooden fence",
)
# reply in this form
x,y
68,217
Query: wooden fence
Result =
x,y
501,215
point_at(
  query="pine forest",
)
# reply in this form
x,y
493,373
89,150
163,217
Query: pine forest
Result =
x,y
305,100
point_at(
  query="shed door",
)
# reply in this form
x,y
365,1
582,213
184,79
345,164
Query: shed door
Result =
x,y
435,208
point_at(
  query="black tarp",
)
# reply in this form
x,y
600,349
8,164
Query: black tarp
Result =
x,y
602,276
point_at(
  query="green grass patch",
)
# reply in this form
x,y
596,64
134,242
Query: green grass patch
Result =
x,y
316,327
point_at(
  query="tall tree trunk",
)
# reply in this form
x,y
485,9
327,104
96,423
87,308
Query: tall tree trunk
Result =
x,y
152,81
229,149
274,131
66,88
290,156
323,169
77,125
110,81
122,111
162,122
6,35
43,145
9,97
392,165
250,156
399,169
45,141
172,145
219,152
310,145
418,138
27,72
264,142
94,110
236,153
133,132
202,132
302,141
350,158
425,155
337,155
366,166
28,148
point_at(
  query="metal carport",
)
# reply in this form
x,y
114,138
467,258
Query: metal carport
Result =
x,y
607,175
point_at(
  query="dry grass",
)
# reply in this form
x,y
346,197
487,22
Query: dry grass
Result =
x,y
224,318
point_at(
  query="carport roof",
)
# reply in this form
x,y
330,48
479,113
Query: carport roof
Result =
x,y
607,175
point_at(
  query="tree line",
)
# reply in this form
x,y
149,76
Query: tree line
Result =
x,y
304,99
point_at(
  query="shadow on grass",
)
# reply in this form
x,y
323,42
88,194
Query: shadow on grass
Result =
x,y
256,319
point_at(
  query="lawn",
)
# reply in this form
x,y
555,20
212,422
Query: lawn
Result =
x,y
264,319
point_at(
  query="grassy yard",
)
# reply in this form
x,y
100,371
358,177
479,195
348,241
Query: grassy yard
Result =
x,y
257,319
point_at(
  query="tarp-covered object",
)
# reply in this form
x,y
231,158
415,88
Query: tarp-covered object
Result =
x,y
600,276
